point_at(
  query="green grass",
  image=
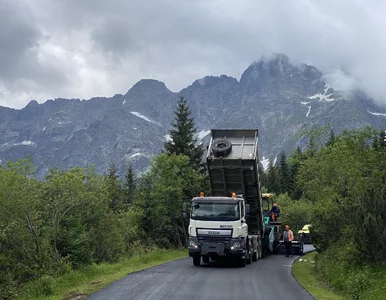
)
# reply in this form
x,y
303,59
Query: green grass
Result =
x,y
304,272
87,280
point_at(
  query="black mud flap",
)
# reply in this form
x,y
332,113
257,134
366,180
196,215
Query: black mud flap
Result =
x,y
207,248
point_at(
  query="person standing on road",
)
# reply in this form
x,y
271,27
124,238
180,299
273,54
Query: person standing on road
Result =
x,y
288,237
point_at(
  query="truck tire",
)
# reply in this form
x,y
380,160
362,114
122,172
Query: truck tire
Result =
x,y
249,258
255,255
242,262
221,147
196,260
205,259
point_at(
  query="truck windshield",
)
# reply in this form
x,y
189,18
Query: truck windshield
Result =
x,y
215,211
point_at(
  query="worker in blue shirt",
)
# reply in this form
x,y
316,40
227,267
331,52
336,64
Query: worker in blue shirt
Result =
x,y
274,212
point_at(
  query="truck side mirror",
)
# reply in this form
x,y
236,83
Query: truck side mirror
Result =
x,y
247,209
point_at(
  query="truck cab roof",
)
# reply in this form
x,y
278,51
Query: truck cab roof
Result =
x,y
219,199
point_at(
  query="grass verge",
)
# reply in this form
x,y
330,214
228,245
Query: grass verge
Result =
x,y
304,271
82,282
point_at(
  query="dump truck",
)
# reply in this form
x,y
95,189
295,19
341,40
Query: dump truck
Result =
x,y
229,224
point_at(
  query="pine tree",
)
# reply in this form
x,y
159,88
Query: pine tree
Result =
x,y
114,188
312,146
129,186
331,139
284,175
273,185
182,140
296,160
379,140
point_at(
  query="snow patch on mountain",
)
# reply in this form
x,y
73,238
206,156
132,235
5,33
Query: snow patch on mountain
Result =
x,y
377,114
309,110
167,137
136,154
25,143
309,107
137,114
44,129
323,96
124,101
265,163
203,133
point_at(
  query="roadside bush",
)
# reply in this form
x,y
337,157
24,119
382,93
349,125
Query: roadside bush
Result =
x,y
295,213
349,278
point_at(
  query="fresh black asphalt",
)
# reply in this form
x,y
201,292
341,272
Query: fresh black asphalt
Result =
x,y
267,279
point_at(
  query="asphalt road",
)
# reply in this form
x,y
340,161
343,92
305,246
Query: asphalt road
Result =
x,y
267,279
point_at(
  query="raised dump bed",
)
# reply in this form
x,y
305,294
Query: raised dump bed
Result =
x,y
232,160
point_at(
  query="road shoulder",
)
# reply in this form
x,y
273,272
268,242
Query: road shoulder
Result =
x,y
303,270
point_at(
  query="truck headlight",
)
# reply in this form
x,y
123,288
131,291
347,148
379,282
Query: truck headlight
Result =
x,y
193,243
236,245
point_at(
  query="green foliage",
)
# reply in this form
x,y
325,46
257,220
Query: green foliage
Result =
x,y
114,189
171,181
183,140
284,174
294,163
65,222
353,280
331,139
346,185
309,277
339,187
129,186
343,186
295,213
273,184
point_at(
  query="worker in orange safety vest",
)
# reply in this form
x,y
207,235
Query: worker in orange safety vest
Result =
x,y
288,237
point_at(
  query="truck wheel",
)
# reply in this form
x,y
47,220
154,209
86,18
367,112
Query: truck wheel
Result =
x,y
255,255
221,147
196,260
249,258
243,262
263,252
205,259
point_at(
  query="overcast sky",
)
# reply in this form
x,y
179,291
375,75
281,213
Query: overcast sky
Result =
x,y
86,48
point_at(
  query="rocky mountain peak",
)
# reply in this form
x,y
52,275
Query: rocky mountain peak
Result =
x,y
210,81
273,95
148,85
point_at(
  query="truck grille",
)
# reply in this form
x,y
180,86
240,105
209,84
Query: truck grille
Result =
x,y
215,239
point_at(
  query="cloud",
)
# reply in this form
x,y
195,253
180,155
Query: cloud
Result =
x,y
81,49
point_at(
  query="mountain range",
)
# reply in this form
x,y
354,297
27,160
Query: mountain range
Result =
x,y
273,95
